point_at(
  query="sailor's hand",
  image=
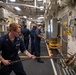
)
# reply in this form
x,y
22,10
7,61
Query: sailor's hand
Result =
x,y
5,62
33,56
29,55
43,38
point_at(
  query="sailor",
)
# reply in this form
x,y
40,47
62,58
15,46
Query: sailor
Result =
x,y
9,45
32,33
37,38
26,33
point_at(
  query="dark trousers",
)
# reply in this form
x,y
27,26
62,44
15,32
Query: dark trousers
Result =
x,y
32,46
16,67
26,43
37,49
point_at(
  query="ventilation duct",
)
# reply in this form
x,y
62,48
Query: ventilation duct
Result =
x,y
3,13
63,2
66,1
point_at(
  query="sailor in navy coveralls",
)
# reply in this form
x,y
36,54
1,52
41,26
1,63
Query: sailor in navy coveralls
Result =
x,y
10,45
37,39
32,33
26,33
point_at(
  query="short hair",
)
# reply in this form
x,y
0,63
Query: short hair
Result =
x,y
25,26
14,26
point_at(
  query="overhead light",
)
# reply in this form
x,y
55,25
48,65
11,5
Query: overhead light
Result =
x,y
41,7
30,22
40,17
39,0
17,8
30,18
25,17
38,23
13,0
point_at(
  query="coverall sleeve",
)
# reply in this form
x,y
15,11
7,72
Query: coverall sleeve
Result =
x,y
1,42
37,32
22,46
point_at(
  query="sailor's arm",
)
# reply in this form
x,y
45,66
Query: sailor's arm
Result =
x,y
5,62
29,54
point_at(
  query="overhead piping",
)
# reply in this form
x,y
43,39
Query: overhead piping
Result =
x,y
6,1
17,4
35,3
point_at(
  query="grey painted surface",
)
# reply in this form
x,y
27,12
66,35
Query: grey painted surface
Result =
x,y
64,44
54,28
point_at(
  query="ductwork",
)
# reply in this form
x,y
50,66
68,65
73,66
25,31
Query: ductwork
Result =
x,y
66,1
53,7
63,2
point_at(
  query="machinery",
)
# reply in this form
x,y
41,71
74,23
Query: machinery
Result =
x,y
54,45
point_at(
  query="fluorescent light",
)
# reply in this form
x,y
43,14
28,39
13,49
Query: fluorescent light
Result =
x,y
41,7
51,25
38,23
17,8
40,17
39,0
25,17
30,18
30,22
13,0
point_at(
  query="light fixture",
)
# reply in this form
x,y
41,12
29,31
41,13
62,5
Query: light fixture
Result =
x,y
41,7
51,25
30,22
25,17
30,18
13,0
40,18
17,8
41,15
39,0
38,23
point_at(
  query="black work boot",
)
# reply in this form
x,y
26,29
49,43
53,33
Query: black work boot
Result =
x,y
40,61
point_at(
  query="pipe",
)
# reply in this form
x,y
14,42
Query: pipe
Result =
x,y
18,4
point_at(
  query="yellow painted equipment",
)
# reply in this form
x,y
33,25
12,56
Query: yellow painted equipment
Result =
x,y
54,45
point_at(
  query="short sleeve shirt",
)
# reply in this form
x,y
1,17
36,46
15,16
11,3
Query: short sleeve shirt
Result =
x,y
26,33
9,49
37,32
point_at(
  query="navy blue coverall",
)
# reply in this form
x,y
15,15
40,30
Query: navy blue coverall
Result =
x,y
32,33
26,33
37,42
10,52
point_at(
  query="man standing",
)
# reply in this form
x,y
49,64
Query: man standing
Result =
x,y
37,39
32,33
9,45
26,34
